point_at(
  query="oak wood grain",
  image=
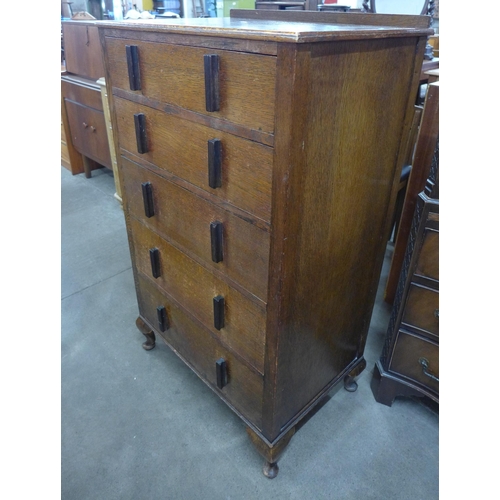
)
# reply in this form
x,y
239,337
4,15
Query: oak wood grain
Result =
x,y
200,349
184,219
181,147
174,74
195,287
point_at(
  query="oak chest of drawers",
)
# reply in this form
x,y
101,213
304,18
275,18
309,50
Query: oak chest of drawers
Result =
x,y
259,161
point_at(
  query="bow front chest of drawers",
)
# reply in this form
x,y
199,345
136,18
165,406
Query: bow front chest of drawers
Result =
x,y
259,162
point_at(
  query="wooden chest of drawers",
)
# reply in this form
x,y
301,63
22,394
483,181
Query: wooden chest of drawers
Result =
x,y
409,364
258,161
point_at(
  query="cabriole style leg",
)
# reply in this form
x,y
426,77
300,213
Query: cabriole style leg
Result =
x,y
349,383
148,333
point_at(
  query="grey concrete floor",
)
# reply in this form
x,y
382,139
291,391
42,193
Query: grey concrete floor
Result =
x,y
140,425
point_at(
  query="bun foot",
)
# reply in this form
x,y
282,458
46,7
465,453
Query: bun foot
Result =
x,y
270,470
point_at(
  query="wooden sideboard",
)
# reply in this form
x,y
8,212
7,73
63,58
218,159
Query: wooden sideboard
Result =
x,y
259,162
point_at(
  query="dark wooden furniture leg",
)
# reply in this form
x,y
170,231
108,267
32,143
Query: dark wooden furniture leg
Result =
x,y
349,383
271,453
148,333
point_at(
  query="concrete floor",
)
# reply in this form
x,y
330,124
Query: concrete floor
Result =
x,y
141,426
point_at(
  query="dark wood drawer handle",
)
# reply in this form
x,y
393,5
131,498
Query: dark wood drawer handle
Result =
x,y
134,73
215,163
219,312
154,255
425,368
140,133
162,318
211,66
221,372
216,240
147,197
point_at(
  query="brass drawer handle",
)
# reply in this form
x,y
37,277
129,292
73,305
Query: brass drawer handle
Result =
x,y
425,366
92,128
85,125
436,313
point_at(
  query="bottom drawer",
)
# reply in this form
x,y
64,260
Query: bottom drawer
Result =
x,y
410,356
244,389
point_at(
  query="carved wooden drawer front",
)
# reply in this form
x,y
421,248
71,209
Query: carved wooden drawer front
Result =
x,y
195,288
222,241
428,262
422,309
175,74
417,359
242,176
201,350
88,132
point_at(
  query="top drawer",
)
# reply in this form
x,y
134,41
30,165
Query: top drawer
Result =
x,y
176,75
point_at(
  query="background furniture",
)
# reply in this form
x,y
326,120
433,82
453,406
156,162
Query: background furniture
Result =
x,y
420,168
256,216
409,364
86,127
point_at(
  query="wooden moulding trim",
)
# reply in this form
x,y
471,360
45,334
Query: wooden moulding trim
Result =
x,y
268,31
205,195
193,116
172,299
234,44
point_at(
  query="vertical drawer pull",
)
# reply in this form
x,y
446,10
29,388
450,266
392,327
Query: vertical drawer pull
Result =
x,y
215,163
216,239
219,312
221,372
147,196
134,73
154,255
425,368
140,133
162,318
211,65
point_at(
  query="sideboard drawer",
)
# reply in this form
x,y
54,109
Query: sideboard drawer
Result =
x,y
175,74
417,359
182,148
428,261
223,241
199,291
201,350
88,132
422,309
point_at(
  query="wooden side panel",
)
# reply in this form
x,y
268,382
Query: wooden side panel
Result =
x,y
339,185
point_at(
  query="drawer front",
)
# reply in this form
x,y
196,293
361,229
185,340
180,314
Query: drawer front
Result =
x,y
195,288
82,94
422,309
88,132
408,358
182,148
201,350
175,75
186,219
428,260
